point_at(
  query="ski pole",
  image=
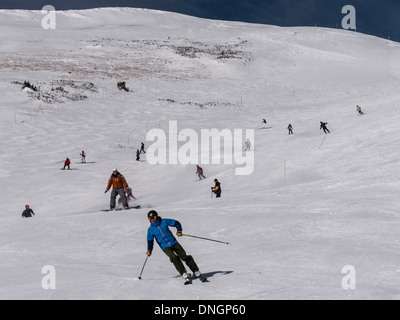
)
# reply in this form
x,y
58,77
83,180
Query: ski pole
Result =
x,y
322,142
188,235
140,277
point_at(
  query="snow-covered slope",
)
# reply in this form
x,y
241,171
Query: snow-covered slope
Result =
x,y
290,237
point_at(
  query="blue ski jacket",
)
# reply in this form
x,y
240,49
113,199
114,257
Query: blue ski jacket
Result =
x,y
160,231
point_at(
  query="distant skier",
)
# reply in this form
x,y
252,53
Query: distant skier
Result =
x,y
118,182
28,212
247,145
323,126
264,124
159,230
142,148
359,110
137,155
83,155
199,172
217,188
290,128
67,163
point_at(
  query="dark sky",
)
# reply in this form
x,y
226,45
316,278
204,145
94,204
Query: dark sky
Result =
x,y
377,17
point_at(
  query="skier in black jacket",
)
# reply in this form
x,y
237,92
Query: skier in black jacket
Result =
x,y
217,188
290,128
28,212
323,126
142,148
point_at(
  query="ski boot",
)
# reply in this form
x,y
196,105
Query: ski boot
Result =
x,y
187,277
200,276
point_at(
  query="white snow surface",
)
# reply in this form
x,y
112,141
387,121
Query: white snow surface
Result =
x,y
290,239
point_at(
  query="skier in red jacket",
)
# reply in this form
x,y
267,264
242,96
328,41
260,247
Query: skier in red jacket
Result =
x,y
199,172
83,155
128,196
66,164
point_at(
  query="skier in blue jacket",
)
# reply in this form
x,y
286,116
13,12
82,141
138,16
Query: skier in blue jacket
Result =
x,y
159,229
247,144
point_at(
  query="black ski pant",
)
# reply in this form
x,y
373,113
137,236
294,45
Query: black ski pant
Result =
x,y
218,193
326,130
201,175
176,255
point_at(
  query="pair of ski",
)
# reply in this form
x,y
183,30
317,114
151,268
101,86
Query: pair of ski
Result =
x,y
188,280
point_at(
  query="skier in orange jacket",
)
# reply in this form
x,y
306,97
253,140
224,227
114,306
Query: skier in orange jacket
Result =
x,y
119,184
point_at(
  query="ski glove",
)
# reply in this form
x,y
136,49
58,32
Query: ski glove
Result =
x,y
148,253
179,233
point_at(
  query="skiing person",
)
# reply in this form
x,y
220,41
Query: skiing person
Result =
x,y
323,126
67,162
83,155
28,212
290,128
159,230
217,188
199,172
128,196
359,110
264,123
142,148
118,182
247,144
137,155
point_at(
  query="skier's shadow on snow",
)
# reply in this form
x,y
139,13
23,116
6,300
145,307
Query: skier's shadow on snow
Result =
x,y
211,274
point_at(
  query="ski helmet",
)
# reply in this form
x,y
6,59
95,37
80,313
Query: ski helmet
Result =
x,y
152,213
27,206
